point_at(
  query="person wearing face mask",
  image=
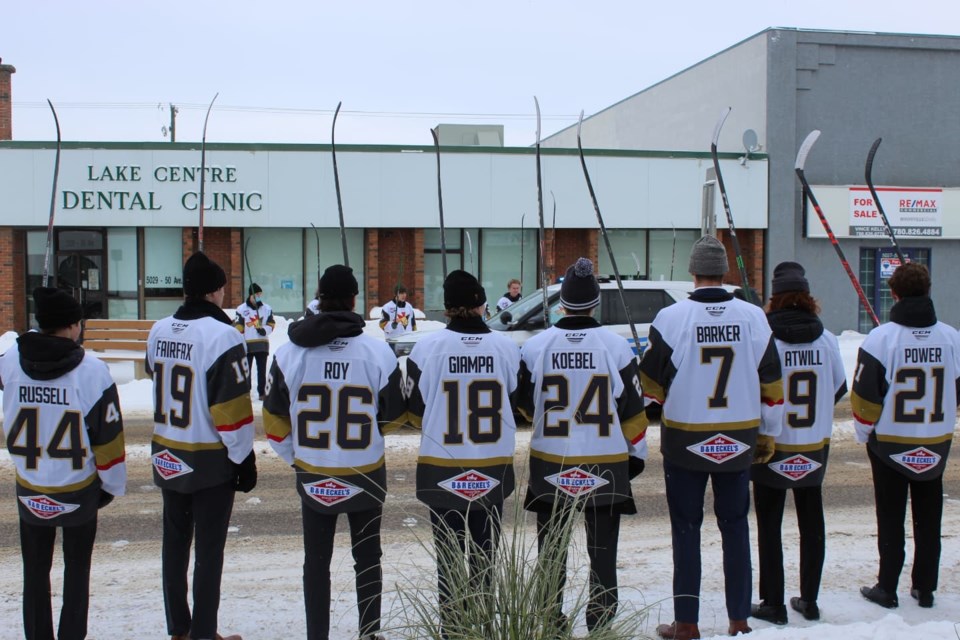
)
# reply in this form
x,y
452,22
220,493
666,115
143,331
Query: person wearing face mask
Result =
x,y
255,321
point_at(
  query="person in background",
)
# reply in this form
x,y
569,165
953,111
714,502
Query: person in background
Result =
x,y
461,380
904,401
202,443
813,382
511,296
582,459
397,317
712,364
313,307
255,321
333,375
64,432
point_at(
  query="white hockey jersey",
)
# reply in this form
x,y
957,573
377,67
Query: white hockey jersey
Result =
x,y
813,382
63,429
203,417
397,319
905,394
251,320
580,383
712,363
461,380
342,390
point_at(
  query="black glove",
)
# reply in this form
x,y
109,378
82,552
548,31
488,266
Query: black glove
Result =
x,y
246,473
105,499
636,466
261,331
393,325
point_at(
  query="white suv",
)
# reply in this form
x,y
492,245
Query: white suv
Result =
x,y
524,318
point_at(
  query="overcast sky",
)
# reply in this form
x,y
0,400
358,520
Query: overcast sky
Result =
x,y
280,67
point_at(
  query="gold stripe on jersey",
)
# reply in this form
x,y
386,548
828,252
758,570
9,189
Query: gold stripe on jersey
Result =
x,y
109,452
947,437
803,448
394,425
526,415
450,462
864,410
187,446
550,457
338,471
249,340
772,392
232,414
635,427
711,426
415,420
276,427
67,488
652,389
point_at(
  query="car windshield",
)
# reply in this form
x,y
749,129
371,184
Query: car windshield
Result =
x,y
522,307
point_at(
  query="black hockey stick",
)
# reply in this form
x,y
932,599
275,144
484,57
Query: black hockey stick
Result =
x,y
543,253
53,201
443,240
801,161
470,247
522,243
673,252
203,170
336,182
606,239
317,235
744,284
868,175
246,263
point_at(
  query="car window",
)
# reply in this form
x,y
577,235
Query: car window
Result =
x,y
644,305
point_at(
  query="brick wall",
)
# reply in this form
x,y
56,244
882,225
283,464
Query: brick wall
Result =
x,y
225,247
569,245
13,308
752,247
6,102
395,245
372,268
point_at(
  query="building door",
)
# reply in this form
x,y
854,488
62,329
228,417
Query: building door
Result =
x,y
79,268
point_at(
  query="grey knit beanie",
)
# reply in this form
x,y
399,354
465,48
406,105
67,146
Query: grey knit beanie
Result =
x,y
708,257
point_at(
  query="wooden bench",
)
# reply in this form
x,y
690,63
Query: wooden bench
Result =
x,y
119,341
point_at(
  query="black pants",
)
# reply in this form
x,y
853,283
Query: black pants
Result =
x,y
731,505
204,515
926,502
603,535
450,531
318,533
261,358
769,503
36,547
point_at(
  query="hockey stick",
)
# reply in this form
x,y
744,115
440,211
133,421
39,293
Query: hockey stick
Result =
x,y
336,182
470,248
53,201
443,241
522,216
203,170
543,254
868,175
246,263
606,239
744,284
316,233
801,161
673,252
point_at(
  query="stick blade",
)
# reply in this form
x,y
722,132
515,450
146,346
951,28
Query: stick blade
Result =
x,y
720,121
868,170
805,149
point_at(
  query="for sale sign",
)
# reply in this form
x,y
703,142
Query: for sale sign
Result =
x,y
911,212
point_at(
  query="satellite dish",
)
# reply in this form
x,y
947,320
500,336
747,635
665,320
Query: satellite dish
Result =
x,y
750,141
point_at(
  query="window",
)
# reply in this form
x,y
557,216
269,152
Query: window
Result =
x,y
644,305
630,251
670,253
501,251
163,264
876,266
331,252
122,273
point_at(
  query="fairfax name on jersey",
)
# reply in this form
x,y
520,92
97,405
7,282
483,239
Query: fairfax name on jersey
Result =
x,y
470,364
802,358
173,349
44,395
335,370
919,355
572,360
718,333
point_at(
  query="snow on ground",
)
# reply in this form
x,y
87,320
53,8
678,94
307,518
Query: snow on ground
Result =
x,y
263,584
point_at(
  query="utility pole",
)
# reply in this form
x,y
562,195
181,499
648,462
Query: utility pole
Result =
x,y
173,122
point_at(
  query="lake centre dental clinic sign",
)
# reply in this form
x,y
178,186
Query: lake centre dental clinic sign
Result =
x,y
126,188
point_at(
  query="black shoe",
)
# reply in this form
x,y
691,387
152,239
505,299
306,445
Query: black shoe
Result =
x,y
923,598
808,610
775,613
879,596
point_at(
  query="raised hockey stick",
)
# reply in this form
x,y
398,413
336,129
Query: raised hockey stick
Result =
x,y
522,216
801,161
470,248
53,200
868,176
336,182
673,252
246,263
203,171
744,284
543,253
316,233
606,239
443,240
